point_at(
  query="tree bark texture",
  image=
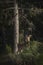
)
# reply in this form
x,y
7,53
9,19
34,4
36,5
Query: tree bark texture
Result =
x,y
16,27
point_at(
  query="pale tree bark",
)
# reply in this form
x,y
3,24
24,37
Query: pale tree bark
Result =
x,y
16,27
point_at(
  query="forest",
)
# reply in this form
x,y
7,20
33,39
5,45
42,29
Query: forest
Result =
x,y
21,32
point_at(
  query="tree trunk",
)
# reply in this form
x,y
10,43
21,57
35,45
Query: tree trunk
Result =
x,y
16,27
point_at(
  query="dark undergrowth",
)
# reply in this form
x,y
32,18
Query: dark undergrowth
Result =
x,y
32,55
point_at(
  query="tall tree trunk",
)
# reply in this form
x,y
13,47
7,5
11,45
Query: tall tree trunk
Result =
x,y
16,27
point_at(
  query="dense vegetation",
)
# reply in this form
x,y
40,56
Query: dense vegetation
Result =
x,y
29,11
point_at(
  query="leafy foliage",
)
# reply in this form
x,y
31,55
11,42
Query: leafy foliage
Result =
x,y
29,10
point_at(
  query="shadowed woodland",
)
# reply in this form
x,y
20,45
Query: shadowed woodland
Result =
x,y
21,32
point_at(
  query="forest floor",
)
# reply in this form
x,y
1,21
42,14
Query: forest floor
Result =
x,y
9,59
